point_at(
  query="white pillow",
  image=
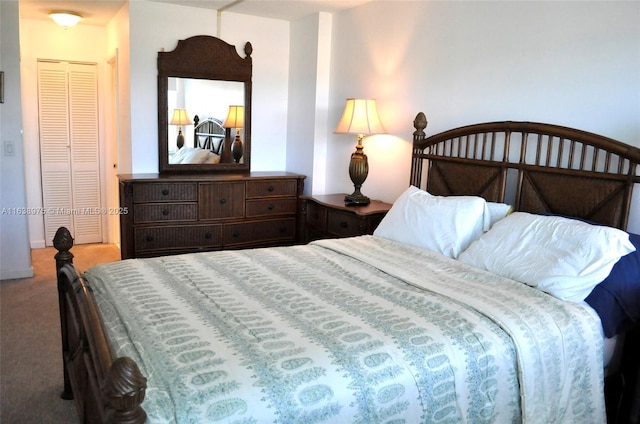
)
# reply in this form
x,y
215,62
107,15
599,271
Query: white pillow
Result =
x,y
212,158
564,257
195,155
498,211
177,157
442,224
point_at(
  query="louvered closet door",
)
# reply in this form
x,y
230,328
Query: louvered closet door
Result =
x,y
68,115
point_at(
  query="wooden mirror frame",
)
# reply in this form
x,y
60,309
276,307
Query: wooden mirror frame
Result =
x,y
210,58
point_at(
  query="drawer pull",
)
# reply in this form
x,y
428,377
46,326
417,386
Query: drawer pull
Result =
x,y
165,212
236,234
208,236
271,207
223,201
283,229
344,224
149,239
165,191
270,188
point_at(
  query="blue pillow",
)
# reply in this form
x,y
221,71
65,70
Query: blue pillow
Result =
x,y
617,298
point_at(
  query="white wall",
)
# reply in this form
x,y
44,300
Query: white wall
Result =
x,y
118,48
570,63
309,79
155,26
270,41
15,257
117,106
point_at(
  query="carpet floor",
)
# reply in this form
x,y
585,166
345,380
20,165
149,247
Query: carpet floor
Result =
x,y
30,347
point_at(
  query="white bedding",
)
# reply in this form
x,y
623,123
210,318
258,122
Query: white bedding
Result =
x,y
193,155
352,330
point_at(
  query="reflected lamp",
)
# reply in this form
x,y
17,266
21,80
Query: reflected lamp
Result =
x,y
360,117
235,119
180,118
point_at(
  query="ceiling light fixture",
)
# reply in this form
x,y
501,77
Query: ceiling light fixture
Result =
x,y
65,19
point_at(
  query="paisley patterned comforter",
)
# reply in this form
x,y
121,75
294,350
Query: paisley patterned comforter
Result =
x,y
358,330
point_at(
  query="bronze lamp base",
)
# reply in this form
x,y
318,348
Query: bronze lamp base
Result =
x,y
356,199
358,171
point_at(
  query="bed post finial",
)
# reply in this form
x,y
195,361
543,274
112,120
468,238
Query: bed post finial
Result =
x,y
124,387
63,242
420,123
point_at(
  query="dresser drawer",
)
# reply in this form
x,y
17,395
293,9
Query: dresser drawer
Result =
x,y
268,188
178,237
159,212
344,224
269,207
165,192
221,200
260,231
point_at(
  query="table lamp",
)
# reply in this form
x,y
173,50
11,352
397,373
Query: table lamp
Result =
x,y
180,118
235,119
360,117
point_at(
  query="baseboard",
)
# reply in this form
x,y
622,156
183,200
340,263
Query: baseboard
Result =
x,y
38,244
14,274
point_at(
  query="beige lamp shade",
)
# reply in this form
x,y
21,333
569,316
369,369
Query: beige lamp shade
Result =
x,y
65,19
235,117
360,116
180,117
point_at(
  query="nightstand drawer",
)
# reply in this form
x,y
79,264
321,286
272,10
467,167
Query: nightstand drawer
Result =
x,y
178,237
165,192
159,212
269,207
316,217
260,231
270,188
326,216
344,224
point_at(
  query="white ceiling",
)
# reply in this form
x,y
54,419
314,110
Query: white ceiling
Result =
x,y
99,12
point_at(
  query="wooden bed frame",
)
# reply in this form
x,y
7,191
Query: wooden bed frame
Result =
x,y
205,133
538,168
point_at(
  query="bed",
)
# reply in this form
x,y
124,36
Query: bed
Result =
x,y
208,143
209,134
387,327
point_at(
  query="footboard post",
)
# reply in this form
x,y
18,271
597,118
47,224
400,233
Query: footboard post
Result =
x,y
125,388
63,242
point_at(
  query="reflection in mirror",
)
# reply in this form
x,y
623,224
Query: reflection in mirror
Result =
x,y
207,104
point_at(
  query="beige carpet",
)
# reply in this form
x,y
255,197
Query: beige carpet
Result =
x,y
30,348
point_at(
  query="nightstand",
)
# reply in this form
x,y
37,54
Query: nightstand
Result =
x,y
326,216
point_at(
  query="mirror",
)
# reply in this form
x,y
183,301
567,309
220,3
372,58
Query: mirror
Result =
x,y
199,84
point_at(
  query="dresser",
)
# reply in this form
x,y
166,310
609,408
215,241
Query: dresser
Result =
x,y
170,214
326,216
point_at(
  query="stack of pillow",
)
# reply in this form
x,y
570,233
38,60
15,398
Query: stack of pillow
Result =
x,y
582,261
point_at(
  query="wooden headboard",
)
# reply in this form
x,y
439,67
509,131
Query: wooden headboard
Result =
x,y
209,134
537,168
